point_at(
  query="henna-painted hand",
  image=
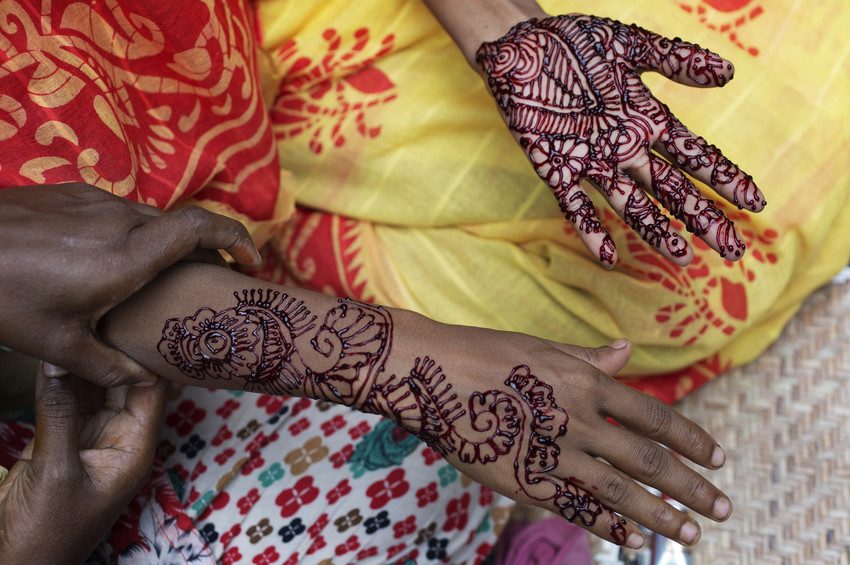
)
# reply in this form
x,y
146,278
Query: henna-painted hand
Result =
x,y
70,253
524,416
570,89
92,452
538,433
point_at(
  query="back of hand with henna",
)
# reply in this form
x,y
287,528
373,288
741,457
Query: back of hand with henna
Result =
x,y
524,416
570,89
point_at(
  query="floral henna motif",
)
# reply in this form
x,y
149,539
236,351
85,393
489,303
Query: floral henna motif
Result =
x,y
521,422
273,344
571,92
423,403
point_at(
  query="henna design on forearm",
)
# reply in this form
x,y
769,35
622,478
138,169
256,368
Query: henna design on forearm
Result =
x,y
273,344
570,89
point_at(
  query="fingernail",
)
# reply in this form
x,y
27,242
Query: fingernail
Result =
x,y
53,371
258,260
620,344
718,457
689,533
722,508
635,541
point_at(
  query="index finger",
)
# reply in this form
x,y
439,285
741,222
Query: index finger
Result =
x,y
168,238
651,418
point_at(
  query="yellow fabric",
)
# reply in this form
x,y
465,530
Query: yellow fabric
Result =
x,y
457,226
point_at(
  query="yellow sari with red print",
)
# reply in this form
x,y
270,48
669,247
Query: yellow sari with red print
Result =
x,y
410,191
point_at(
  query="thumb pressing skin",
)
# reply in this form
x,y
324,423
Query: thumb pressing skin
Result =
x,y
105,366
57,418
610,359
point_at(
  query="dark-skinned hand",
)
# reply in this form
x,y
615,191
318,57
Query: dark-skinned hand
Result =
x,y
93,450
70,253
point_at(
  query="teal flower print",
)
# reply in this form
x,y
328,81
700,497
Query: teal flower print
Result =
x,y
385,446
447,475
272,474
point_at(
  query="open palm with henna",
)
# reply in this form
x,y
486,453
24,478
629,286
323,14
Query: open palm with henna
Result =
x,y
570,89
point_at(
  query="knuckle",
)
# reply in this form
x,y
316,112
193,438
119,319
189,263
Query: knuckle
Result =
x,y
194,216
602,391
696,489
658,418
109,377
589,356
661,514
239,232
616,490
653,461
55,402
696,441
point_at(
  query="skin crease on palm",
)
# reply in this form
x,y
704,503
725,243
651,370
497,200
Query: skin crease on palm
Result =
x,y
570,89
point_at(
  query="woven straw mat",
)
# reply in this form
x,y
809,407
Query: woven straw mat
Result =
x,y
785,424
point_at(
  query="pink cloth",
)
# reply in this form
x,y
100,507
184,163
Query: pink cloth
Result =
x,y
548,542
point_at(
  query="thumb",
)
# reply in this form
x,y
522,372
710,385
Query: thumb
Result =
x,y
610,359
147,405
105,366
57,417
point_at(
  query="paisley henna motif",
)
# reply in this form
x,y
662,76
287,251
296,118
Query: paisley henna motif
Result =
x,y
570,89
273,344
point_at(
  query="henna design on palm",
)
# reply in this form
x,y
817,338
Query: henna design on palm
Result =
x,y
570,90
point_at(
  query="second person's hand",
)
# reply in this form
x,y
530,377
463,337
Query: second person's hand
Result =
x,y
70,253
93,450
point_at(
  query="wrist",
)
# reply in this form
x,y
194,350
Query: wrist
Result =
x,y
472,23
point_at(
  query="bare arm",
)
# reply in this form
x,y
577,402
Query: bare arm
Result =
x,y
525,416
474,22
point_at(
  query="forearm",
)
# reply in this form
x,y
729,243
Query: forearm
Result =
x,y
473,22
208,326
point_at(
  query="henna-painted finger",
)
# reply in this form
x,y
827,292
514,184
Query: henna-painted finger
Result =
x,y
706,162
681,61
579,505
578,209
654,465
633,205
683,200
170,237
616,490
653,419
